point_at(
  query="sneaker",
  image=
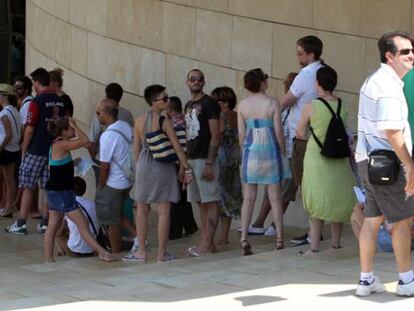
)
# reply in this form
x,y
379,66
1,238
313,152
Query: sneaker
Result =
x,y
300,239
271,231
405,289
14,229
135,247
254,230
41,228
365,289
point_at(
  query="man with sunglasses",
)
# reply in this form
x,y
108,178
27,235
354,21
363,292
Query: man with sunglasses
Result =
x,y
383,125
23,88
202,115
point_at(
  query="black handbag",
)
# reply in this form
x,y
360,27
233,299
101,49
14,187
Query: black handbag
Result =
x,y
383,167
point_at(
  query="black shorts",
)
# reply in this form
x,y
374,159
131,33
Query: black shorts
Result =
x,y
8,157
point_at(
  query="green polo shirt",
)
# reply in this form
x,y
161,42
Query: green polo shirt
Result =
x,y
409,96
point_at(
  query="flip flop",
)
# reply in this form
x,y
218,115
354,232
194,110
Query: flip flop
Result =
x,y
192,253
167,257
130,257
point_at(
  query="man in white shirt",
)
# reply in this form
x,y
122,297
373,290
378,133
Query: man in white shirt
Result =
x,y
115,182
301,92
115,92
383,124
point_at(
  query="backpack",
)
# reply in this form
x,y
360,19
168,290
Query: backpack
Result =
x,y
336,139
128,168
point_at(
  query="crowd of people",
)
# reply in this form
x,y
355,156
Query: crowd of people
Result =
x,y
213,157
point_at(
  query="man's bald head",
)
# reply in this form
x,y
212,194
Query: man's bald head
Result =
x,y
109,107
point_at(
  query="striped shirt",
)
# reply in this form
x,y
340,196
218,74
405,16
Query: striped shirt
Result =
x,y
382,106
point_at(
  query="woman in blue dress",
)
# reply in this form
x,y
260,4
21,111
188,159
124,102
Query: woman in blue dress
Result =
x,y
261,135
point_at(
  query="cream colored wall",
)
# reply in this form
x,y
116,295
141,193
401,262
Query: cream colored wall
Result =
x,y
139,42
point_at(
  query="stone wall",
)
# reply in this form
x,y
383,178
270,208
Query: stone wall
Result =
x,y
139,42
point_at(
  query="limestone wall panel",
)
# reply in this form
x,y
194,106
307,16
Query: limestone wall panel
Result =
x,y
346,55
79,51
372,58
337,15
78,12
63,42
96,17
179,24
216,5
252,44
213,37
381,16
151,70
297,12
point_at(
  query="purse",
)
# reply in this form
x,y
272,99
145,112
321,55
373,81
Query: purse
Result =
x,y
159,145
383,167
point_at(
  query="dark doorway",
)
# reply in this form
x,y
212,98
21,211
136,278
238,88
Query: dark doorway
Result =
x,y
12,39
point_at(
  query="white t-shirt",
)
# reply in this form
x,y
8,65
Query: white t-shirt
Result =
x,y
15,125
113,148
24,109
76,243
304,89
382,106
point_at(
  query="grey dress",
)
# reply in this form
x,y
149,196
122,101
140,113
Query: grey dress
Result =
x,y
155,182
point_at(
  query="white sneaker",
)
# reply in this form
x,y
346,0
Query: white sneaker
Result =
x,y
135,247
271,231
365,289
41,229
405,289
15,229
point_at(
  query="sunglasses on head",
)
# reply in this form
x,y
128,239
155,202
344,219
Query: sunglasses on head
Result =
x,y
196,79
405,51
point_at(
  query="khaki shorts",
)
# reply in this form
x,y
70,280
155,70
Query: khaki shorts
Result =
x,y
389,201
109,204
296,162
200,190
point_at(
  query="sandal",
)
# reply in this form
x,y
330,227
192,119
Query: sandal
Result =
x,y
167,257
302,253
191,252
130,257
279,244
7,212
336,246
246,249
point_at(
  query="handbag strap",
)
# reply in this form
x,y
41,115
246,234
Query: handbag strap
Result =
x,y
87,216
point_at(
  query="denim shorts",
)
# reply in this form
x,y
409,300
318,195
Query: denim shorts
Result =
x,y
61,201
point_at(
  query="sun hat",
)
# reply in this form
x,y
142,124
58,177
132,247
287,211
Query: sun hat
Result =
x,y
6,89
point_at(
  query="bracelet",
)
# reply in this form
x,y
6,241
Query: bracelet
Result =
x,y
188,170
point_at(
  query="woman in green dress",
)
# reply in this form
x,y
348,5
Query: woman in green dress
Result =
x,y
327,185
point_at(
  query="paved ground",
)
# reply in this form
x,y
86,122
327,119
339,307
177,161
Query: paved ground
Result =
x,y
266,280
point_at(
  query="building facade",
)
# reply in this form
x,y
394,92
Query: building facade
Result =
x,y
140,42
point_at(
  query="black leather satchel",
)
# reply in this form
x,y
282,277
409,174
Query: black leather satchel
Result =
x,y
383,167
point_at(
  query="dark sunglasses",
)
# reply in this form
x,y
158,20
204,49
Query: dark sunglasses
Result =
x,y
196,79
405,51
164,99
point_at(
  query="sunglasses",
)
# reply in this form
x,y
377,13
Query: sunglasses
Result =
x,y
196,79
164,99
405,51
